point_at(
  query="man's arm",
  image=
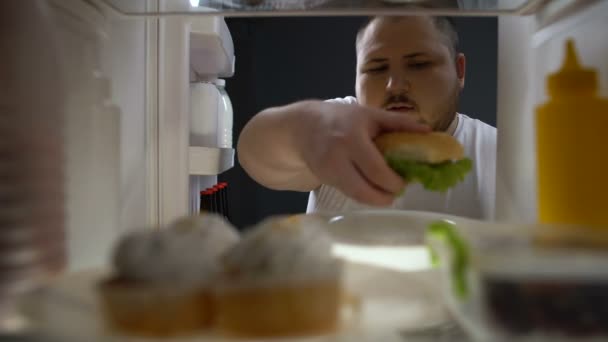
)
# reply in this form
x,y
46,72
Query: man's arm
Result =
x,y
269,152
303,145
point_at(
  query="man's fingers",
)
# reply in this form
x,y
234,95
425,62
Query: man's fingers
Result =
x,y
354,185
388,121
374,168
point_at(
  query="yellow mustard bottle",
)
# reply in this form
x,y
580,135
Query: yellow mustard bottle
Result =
x,y
572,148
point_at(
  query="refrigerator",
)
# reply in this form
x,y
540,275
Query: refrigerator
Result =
x,y
123,103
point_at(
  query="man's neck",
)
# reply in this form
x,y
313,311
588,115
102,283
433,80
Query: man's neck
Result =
x,y
452,127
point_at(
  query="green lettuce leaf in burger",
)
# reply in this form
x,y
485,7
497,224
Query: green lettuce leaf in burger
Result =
x,y
436,160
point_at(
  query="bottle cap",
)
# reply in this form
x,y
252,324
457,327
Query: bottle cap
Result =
x,y
572,77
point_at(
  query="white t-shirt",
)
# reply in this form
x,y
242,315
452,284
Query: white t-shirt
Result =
x,y
474,197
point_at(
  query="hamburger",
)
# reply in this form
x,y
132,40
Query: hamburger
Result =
x,y
436,159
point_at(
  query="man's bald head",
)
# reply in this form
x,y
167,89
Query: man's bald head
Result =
x,y
410,64
444,25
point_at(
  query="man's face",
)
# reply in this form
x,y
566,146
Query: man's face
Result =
x,y
405,65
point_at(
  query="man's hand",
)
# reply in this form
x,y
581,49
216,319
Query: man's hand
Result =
x,y
324,143
336,142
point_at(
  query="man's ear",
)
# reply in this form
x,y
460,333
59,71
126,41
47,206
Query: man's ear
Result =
x,y
461,66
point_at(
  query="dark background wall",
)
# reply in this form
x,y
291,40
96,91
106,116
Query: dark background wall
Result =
x,y
281,60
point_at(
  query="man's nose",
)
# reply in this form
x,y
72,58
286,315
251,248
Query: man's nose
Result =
x,y
398,82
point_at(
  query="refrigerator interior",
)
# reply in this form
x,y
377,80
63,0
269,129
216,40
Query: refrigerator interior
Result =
x,y
128,157
132,167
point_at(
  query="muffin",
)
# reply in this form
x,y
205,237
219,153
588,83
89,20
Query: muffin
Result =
x,y
280,280
163,277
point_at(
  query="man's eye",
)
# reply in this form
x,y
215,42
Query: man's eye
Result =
x,y
376,70
420,65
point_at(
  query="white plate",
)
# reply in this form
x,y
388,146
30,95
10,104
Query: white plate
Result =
x,y
393,301
391,304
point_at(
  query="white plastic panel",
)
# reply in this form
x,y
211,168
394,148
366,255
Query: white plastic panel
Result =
x,y
515,181
173,118
211,47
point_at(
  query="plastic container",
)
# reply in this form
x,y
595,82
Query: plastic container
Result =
x,y
507,282
205,111
210,114
571,140
225,116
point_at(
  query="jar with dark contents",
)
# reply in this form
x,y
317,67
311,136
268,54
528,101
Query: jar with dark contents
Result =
x,y
503,283
573,308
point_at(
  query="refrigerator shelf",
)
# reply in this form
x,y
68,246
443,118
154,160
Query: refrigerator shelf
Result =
x,y
234,8
68,309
